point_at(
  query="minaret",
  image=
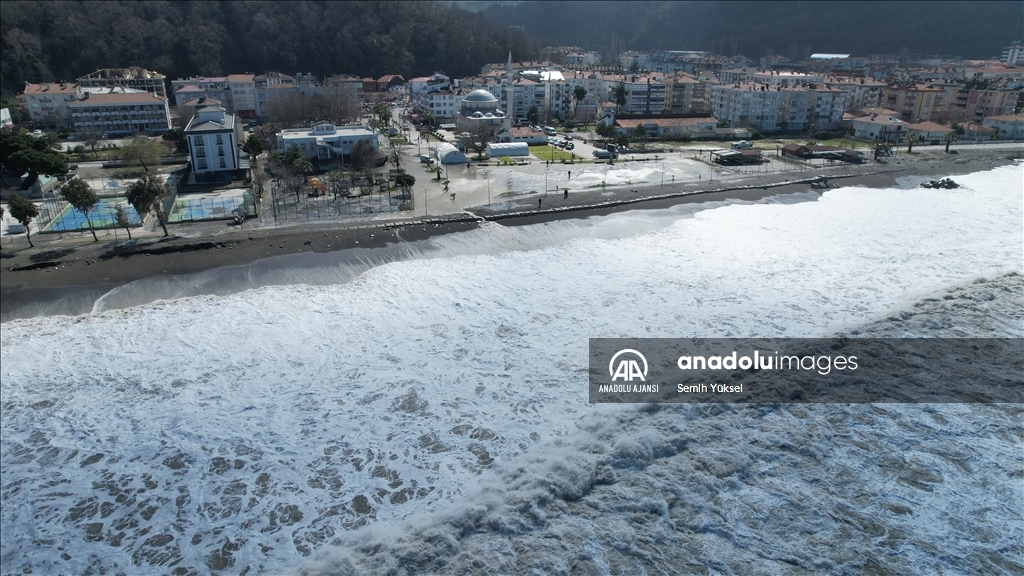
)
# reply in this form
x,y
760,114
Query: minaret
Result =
x,y
508,88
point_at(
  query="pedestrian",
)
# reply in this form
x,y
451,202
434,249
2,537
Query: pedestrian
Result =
x,y
570,174
566,194
539,201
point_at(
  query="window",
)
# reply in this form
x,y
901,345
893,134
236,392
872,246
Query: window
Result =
x,y
220,151
200,152
222,163
197,140
220,139
202,164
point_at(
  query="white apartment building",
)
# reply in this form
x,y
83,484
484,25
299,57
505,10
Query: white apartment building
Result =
x,y
1013,54
437,81
443,103
46,104
214,137
792,109
325,141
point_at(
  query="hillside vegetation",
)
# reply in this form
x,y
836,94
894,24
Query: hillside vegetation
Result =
x,y
52,41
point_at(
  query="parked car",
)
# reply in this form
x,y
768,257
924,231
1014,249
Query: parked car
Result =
x,y
741,145
425,159
570,146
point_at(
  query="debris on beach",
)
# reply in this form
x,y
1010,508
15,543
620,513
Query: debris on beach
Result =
x,y
944,183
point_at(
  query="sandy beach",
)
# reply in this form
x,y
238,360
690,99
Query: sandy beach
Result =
x,y
77,271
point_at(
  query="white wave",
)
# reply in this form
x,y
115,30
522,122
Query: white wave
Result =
x,y
249,429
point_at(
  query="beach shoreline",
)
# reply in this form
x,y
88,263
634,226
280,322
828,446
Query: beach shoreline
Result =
x,y
78,271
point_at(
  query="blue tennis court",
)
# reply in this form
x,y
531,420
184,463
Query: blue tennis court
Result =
x,y
103,215
216,206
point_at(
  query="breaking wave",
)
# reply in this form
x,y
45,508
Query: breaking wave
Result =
x,y
443,393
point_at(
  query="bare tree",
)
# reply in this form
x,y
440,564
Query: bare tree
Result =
x,y
121,215
477,140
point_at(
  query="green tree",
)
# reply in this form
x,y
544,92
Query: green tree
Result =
x,y
143,151
622,140
79,194
121,217
35,163
640,133
253,146
405,180
146,195
578,93
532,115
177,135
621,96
303,166
292,154
959,128
383,112
23,211
428,117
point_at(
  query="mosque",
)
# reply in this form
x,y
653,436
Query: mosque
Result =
x,y
480,107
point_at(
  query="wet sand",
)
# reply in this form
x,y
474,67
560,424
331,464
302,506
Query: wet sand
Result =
x,y
76,273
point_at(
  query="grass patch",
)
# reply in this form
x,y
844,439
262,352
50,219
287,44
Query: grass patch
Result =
x,y
552,153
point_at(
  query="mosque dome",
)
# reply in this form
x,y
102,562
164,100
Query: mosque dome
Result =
x,y
481,96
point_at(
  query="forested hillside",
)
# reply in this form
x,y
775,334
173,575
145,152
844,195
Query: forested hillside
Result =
x,y
968,29
48,41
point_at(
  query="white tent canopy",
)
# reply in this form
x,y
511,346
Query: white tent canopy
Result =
x,y
448,154
495,149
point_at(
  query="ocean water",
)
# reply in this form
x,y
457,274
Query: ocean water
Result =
x,y
424,408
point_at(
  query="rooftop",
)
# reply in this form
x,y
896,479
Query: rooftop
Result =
x,y
929,127
92,99
51,88
355,130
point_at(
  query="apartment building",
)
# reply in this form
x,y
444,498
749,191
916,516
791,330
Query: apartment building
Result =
x,y
978,104
861,92
118,111
778,109
214,137
46,104
243,95
774,78
443,103
914,102
1013,54
1010,126
686,94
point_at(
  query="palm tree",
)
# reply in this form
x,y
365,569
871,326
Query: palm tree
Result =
x,y
910,142
949,139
